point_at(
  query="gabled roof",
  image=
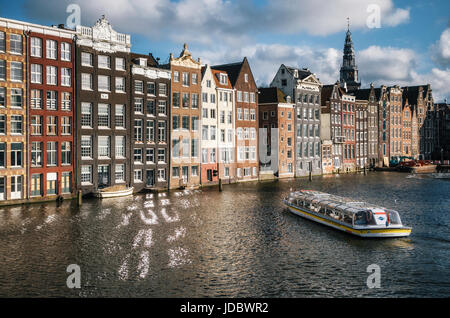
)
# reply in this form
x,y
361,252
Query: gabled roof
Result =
x,y
301,73
216,75
271,95
151,61
362,94
232,69
326,92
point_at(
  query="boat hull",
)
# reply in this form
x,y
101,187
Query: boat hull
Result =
x,y
113,194
370,233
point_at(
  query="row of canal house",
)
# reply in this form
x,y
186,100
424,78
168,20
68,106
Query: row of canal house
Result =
x,y
80,111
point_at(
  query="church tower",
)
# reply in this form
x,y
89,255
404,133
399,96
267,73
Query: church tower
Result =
x,y
349,71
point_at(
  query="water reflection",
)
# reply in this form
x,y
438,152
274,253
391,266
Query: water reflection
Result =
x,y
240,242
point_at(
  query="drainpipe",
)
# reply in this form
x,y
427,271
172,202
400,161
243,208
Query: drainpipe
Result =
x,y
27,121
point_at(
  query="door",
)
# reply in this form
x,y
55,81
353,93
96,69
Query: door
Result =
x,y
150,178
209,174
185,174
16,187
103,176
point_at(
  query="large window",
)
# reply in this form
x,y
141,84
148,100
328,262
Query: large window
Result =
x,y
36,154
138,130
86,81
66,153
120,84
16,71
86,174
51,48
15,43
66,125
2,154
162,107
51,75
36,125
103,116
120,64
86,115
36,99
51,125
104,83
16,97
151,89
104,61
2,70
36,73
86,147
66,101
162,89
36,184
66,78
16,154
104,146
16,124
66,182
120,116
120,172
65,51
120,146
138,105
161,131
2,124
86,59
2,42
150,131
52,100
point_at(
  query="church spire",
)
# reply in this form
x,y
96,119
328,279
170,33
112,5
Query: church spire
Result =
x,y
349,70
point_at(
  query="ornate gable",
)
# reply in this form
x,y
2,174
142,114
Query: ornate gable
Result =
x,y
185,59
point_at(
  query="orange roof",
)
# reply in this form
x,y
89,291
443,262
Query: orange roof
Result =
x,y
216,75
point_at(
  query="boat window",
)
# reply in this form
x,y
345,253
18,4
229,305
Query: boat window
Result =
x,y
370,219
322,210
394,217
360,218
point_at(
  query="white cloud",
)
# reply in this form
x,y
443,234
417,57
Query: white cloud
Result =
x,y
441,49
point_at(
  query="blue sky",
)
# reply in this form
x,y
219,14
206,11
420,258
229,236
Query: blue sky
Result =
x,y
411,47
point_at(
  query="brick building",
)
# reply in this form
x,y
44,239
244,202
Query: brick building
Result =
x,y
246,120
51,74
276,124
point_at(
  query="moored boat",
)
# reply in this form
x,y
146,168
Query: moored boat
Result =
x,y
357,218
113,192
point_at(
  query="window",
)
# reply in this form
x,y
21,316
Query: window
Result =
x,y
185,148
162,107
120,116
185,100
66,125
104,146
86,115
86,59
138,105
161,131
66,101
120,84
86,81
2,70
86,174
185,123
194,171
103,116
51,49
51,75
104,83
194,78
36,125
36,154
151,88
175,122
246,97
212,132
150,131
51,125
36,99
137,155
120,64
161,155
2,42
16,124
104,62
16,72
162,89
66,182
150,155
36,73
138,130
66,153
66,76
120,172
205,130
252,97
15,43
252,114
120,146
65,51
52,153
176,99
52,100
185,79
16,154
194,123
176,76
86,147
36,184
138,175
151,109
194,100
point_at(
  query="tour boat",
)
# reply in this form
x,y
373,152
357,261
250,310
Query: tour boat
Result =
x,y
113,192
357,218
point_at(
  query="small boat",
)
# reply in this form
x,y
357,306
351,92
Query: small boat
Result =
x,y
113,192
357,218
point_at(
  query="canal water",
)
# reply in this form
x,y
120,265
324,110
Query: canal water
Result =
x,y
237,243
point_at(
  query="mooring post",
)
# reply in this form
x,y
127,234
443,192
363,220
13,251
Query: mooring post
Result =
x,y
220,184
79,197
